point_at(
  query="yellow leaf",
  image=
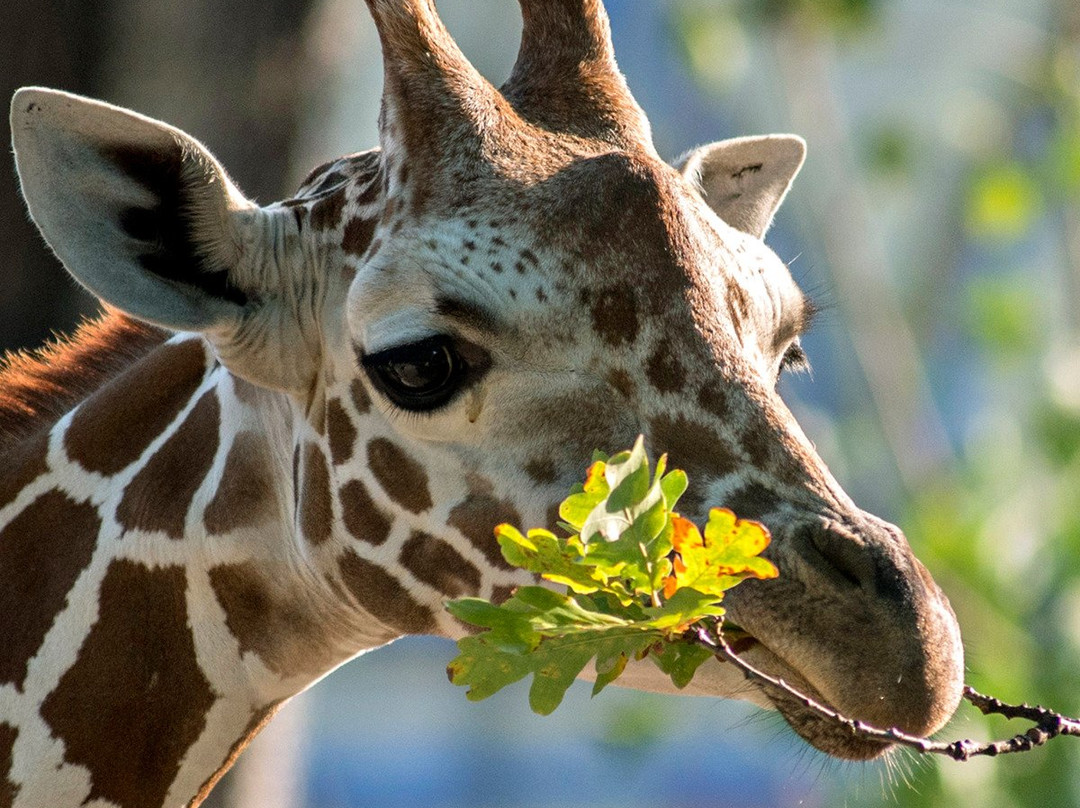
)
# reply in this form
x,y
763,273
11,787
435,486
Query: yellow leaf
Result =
x,y
724,556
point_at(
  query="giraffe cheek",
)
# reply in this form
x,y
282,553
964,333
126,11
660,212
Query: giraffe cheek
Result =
x,y
383,596
271,624
476,518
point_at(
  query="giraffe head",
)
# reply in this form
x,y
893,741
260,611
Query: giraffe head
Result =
x,y
513,280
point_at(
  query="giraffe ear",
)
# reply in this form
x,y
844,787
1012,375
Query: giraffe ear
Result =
x,y
139,212
745,179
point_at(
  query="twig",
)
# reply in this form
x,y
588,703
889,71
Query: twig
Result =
x,y
1048,724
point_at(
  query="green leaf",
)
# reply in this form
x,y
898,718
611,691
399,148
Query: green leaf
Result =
x,y
680,661
673,485
684,608
557,560
609,667
632,594
510,628
486,668
633,503
569,634
576,508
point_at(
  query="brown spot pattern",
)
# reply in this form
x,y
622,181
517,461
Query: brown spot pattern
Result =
x,y
358,235
245,496
752,501
283,636
135,700
8,790
159,496
42,552
696,449
363,519
360,397
770,447
614,315
553,516
326,213
316,500
383,596
664,370
401,477
438,564
342,433
623,382
714,401
22,465
501,594
541,470
477,518
112,429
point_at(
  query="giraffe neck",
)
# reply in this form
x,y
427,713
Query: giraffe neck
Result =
x,y
158,604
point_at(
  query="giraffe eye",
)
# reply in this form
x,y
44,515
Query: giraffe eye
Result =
x,y
421,376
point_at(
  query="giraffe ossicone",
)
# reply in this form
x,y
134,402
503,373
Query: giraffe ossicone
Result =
x,y
289,438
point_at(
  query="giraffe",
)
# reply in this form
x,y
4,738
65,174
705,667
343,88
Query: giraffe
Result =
x,y
287,439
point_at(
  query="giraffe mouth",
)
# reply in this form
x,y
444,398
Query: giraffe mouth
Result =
x,y
822,733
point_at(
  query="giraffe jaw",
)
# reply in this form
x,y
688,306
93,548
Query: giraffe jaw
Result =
x,y
823,733
820,732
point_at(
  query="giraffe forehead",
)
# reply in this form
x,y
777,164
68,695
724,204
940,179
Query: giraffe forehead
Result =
x,y
612,218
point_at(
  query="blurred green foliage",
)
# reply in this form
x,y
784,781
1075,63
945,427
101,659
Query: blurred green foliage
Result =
x,y
998,524
1004,200
838,15
1002,315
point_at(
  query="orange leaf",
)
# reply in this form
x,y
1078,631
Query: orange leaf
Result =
x,y
670,585
685,534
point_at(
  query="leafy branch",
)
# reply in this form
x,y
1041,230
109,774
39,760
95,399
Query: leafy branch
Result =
x,y
637,576
642,583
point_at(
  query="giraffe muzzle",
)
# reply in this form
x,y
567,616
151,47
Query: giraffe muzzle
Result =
x,y
857,623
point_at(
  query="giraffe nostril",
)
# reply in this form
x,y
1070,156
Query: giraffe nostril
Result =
x,y
840,555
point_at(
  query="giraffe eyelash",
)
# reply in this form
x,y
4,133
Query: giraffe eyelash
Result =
x,y
795,359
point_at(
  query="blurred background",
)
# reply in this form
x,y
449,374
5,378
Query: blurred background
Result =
x,y
937,221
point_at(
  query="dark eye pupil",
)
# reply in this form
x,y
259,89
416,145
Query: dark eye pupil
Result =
x,y
428,368
421,376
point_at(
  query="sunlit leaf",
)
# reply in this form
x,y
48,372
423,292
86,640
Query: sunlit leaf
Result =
x,y
642,580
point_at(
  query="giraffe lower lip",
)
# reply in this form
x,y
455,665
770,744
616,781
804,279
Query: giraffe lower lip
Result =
x,y
819,731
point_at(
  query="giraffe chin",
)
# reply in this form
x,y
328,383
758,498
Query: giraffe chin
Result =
x,y
822,733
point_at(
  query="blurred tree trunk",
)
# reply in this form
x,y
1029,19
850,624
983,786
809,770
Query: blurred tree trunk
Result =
x,y
57,43
226,72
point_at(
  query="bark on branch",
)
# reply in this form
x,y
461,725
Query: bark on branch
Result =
x,y
1047,723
